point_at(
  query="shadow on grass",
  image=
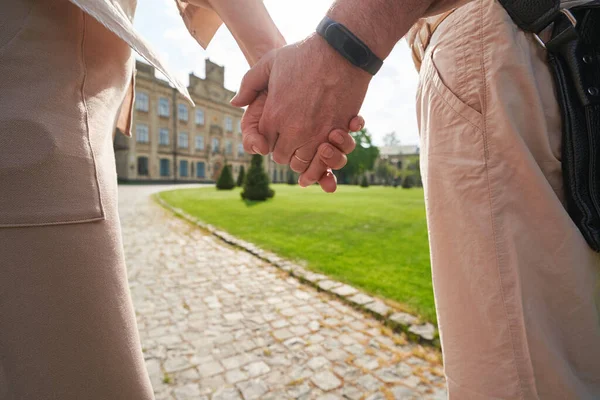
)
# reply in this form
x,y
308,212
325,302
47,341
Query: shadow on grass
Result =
x,y
252,203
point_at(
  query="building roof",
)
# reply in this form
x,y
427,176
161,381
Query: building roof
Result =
x,y
387,151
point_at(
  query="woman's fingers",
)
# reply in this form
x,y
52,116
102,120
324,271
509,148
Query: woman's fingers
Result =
x,y
327,157
328,182
342,140
356,123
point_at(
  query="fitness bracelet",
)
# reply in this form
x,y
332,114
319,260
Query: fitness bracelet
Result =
x,y
348,45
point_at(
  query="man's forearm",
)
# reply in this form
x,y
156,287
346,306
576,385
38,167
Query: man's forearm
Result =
x,y
380,24
251,26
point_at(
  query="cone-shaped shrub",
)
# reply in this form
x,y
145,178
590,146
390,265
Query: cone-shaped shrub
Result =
x,y
364,182
291,178
256,186
225,181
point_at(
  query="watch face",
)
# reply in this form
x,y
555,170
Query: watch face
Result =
x,y
346,43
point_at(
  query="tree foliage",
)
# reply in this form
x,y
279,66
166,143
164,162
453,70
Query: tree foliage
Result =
x,y
362,159
386,172
256,186
391,139
225,181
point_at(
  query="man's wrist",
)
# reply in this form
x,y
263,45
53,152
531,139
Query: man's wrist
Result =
x,y
348,45
336,60
380,24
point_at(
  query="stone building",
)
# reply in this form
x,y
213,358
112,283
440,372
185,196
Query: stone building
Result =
x,y
404,159
174,141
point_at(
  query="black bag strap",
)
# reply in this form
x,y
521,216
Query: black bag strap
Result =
x,y
532,15
574,56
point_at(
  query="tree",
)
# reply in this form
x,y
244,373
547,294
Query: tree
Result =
x,y
256,186
390,139
241,177
362,159
225,181
385,172
364,182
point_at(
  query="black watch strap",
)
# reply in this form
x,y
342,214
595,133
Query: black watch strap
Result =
x,y
348,45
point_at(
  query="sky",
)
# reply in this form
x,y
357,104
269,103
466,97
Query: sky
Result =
x,y
389,104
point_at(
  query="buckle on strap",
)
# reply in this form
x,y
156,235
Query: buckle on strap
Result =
x,y
571,19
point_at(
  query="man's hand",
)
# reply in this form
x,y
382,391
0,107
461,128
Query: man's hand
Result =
x,y
312,91
330,156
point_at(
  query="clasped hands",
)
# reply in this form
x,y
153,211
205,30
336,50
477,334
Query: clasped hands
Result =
x,y
303,99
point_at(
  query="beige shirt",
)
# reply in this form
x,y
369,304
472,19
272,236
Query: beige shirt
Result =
x,y
117,16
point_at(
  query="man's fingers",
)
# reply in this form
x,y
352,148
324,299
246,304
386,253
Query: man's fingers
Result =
x,y
267,126
286,147
328,182
342,140
253,141
255,81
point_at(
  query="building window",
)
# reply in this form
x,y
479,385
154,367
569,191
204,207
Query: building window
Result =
x,y
274,176
183,168
182,140
215,145
141,101
199,142
199,117
281,176
240,149
200,173
228,147
163,107
141,133
165,167
163,137
182,111
228,124
239,126
142,166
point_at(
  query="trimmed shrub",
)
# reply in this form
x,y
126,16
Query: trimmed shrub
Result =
x,y
256,186
225,181
364,182
408,182
291,178
241,177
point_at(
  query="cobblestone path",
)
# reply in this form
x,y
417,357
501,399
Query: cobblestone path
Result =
x,y
217,323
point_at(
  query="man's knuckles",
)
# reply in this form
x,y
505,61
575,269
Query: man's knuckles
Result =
x,y
280,158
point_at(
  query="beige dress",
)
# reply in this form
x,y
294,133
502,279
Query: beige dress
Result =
x,y
517,288
67,326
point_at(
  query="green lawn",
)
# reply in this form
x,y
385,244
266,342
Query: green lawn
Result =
x,y
373,238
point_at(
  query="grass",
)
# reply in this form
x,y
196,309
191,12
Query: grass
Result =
x,y
374,238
